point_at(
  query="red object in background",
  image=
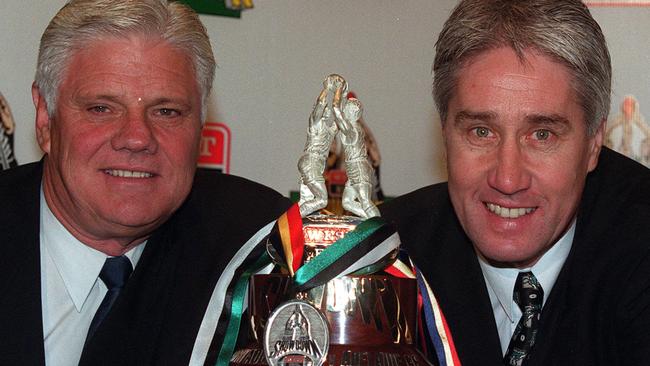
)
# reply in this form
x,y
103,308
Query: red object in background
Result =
x,y
336,176
214,150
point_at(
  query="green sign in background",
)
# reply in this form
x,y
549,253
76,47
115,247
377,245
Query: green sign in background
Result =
x,y
214,7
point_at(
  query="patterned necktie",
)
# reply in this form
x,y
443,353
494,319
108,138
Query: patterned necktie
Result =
x,y
115,272
528,294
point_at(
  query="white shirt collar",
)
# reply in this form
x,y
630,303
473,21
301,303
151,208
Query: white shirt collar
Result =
x,y
78,264
547,268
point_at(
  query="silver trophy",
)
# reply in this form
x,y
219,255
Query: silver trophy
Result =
x,y
360,318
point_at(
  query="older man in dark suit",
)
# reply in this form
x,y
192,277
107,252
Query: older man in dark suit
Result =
x,y
538,246
113,243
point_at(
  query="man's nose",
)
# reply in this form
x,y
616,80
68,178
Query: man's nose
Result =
x,y
509,173
135,134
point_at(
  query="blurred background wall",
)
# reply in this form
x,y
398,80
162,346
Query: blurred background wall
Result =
x,y
272,62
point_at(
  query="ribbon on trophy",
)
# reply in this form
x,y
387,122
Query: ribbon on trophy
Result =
x,y
369,242
358,250
436,325
288,233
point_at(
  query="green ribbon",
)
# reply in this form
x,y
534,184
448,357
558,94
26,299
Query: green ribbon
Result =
x,y
335,251
237,308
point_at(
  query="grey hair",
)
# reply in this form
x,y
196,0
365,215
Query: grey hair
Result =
x,y
563,30
80,22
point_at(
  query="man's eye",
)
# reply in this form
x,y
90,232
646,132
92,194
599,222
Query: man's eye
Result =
x,y
168,112
99,109
542,135
482,132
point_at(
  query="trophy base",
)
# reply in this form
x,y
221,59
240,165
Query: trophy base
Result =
x,y
342,355
370,321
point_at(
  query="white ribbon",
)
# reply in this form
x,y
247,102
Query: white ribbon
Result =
x,y
215,306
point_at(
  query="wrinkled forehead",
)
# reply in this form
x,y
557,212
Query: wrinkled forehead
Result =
x,y
524,57
129,47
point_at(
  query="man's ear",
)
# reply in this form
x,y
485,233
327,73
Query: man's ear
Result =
x,y
595,144
42,120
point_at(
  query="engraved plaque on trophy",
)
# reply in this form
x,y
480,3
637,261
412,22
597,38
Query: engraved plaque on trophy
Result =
x,y
331,305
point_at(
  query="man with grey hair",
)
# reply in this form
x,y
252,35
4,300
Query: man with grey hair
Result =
x,y
537,248
113,242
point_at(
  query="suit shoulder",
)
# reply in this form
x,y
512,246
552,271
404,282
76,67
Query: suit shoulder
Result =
x,y
216,183
620,174
224,209
236,194
416,202
19,188
19,176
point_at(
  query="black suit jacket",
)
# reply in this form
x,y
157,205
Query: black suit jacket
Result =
x,y
598,312
156,317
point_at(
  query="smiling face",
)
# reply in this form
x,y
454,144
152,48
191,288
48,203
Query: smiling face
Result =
x,y
518,153
122,145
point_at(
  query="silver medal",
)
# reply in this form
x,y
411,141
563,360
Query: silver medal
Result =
x,y
296,334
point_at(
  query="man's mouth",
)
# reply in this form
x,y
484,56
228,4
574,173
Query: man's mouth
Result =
x,y
509,212
127,173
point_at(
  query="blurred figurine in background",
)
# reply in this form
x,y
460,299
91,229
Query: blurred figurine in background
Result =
x,y
7,128
629,134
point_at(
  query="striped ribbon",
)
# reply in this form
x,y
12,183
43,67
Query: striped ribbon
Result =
x,y
238,295
399,269
368,243
358,252
226,299
289,228
436,325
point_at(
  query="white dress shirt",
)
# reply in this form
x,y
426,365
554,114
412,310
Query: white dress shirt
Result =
x,y
501,283
70,289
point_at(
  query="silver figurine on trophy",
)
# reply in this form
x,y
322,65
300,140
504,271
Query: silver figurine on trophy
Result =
x,y
334,113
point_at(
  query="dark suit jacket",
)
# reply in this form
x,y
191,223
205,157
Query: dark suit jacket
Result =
x,y
157,316
598,312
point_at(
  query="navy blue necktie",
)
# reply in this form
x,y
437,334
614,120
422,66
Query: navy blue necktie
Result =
x,y
528,294
115,272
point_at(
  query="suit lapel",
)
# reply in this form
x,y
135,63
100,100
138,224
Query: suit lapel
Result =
x,y
562,302
20,273
457,282
21,317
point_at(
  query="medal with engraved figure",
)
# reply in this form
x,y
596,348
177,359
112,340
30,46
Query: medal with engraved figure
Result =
x,y
296,334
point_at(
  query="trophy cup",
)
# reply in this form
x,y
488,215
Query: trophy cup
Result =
x,y
331,306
